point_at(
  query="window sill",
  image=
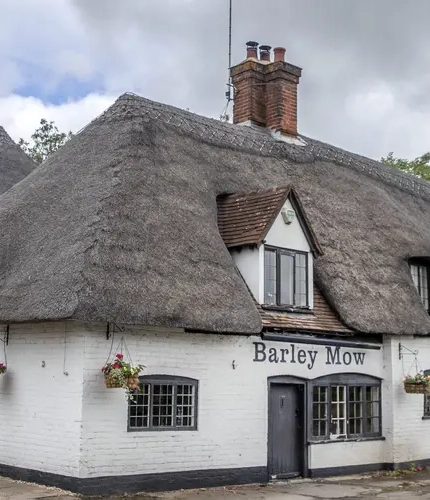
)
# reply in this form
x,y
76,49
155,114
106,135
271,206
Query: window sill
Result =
x,y
425,417
290,309
348,440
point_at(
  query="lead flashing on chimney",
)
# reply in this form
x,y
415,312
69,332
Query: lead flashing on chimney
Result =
x,y
278,136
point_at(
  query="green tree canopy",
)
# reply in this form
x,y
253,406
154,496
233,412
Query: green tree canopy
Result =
x,y
419,167
45,140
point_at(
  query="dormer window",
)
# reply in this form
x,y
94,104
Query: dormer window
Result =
x,y
421,277
285,277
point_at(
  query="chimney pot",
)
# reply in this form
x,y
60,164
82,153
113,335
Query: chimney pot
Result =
x,y
251,50
265,52
279,54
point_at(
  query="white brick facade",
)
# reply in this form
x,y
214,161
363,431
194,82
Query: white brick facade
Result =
x,y
40,406
71,424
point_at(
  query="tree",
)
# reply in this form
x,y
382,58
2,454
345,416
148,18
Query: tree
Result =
x,y
419,167
45,140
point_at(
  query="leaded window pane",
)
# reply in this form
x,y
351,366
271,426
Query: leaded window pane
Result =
x,y
185,397
421,277
415,276
163,405
338,404
424,286
270,284
287,283
300,297
427,405
285,278
319,411
355,410
139,409
346,410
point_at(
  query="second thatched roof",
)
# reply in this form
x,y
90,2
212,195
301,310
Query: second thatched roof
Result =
x,y
14,163
121,225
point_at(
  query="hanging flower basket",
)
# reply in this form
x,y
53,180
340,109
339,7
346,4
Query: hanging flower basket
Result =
x,y
419,384
3,368
120,374
112,381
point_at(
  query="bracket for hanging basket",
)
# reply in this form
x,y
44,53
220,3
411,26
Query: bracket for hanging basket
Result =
x,y
5,338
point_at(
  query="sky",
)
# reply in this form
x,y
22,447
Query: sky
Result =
x,y
366,64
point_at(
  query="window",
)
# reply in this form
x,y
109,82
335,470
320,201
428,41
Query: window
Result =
x,y
165,403
421,277
285,278
346,406
426,400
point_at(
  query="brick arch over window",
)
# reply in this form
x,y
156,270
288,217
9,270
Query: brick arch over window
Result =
x,y
165,403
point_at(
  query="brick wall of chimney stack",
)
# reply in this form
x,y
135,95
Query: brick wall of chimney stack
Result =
x,y
266,93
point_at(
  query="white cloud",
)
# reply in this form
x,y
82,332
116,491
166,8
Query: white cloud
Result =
x,y
175,51
20,116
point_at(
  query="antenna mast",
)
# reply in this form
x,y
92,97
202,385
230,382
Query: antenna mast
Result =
x,y
224,116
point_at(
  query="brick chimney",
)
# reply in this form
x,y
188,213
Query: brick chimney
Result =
x,y
265,91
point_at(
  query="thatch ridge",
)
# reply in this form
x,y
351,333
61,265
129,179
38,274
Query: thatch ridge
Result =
x,y
121,225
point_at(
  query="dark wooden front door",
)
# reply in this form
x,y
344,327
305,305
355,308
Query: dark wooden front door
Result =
x,y
286,430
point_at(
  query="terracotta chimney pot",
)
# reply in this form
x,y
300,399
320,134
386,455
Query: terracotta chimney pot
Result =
x,y
279,54
265,52
251,50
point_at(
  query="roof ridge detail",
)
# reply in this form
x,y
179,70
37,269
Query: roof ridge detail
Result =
x,y
261,141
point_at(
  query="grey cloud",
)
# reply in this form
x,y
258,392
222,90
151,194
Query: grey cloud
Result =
x,y
175,51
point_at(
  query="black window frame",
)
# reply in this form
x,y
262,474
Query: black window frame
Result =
x,y
419,263
426,401
286,251
348,381
174,380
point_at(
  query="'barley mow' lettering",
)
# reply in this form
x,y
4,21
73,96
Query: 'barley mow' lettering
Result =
x,y
294,354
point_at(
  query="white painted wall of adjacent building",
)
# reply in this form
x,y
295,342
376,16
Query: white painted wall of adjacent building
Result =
x,y
72,425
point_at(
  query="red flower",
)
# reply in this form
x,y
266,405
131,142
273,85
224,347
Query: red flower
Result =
x,y
419,468
119,356
116,365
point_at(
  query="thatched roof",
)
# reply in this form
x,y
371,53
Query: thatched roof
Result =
x,y
14,163
121,224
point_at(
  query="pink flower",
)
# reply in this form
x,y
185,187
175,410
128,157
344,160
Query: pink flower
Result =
x,y
119,356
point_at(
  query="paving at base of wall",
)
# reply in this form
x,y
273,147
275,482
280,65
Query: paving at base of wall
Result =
x,y
375,486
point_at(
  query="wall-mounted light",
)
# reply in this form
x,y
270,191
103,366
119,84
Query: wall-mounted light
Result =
x,y
288,214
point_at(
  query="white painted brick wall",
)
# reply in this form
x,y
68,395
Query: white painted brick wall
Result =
x,y
347,453
41,408
73,425
232,430
408,436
